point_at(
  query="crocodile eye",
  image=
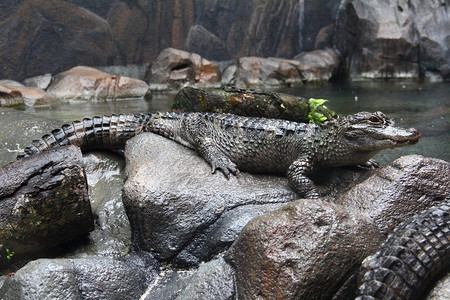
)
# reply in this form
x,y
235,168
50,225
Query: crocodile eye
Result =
x,y
374,119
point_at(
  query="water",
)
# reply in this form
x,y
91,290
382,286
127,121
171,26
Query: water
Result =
x,y
424,106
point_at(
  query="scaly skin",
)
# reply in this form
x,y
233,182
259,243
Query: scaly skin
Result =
x,y
411,257
232,143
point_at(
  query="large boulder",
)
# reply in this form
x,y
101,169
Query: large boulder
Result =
x,y
200,40
394,39
86,83
309,248
63,35
176,206
175,68
83,278
318,65
43,201
14,94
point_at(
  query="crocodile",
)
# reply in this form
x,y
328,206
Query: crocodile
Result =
x,y
232,143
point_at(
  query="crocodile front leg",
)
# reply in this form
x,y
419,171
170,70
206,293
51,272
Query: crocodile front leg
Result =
x,y
298,180
199,134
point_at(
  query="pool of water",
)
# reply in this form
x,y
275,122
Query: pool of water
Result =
x,y
424,106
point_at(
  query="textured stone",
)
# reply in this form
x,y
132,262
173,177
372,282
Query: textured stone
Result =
x,y
318,65
301,251
43,201
41,81
86,83
200,40
63,35
394,39
84,278
175,68
173,202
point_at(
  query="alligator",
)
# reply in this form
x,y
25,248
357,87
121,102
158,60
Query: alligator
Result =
x,y
411,258
231,143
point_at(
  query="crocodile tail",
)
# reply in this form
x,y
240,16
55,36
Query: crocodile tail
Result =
x,y
410,258
107,132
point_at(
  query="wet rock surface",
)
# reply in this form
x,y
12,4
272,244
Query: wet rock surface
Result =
x,y
83,278
171,210
212,280
303,246
86,83
43,201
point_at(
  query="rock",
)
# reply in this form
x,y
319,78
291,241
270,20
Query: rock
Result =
x,y
64,36
244,102
44,201
318,65
257,72
394,39
86,83
13,93
441,290
212,280
301,251
402,189
173,202
18,129
200,40
41,81
111,236
84,278
175,68
296,251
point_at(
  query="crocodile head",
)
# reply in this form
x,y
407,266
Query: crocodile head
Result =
x,y
354,139
374,131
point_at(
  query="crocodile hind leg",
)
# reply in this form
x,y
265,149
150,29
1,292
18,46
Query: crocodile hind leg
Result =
x,y
298,180
410,258
200,135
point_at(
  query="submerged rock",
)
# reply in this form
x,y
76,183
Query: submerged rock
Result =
x,y
43,201
175,68
83,278
86,83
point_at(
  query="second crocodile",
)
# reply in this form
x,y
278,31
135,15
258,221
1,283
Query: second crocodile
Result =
x,y
232,143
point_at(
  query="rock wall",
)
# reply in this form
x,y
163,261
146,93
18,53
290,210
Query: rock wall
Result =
x,y
389,39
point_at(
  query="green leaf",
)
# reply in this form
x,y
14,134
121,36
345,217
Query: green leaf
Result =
x,y
314,116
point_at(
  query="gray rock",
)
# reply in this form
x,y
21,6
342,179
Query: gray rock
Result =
x,y
394,39
172,200
18,129
441,290
13,93
318,65
212,280
112,234
41,81
402,189
86,278
257,72
43,201
178,68
200,40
